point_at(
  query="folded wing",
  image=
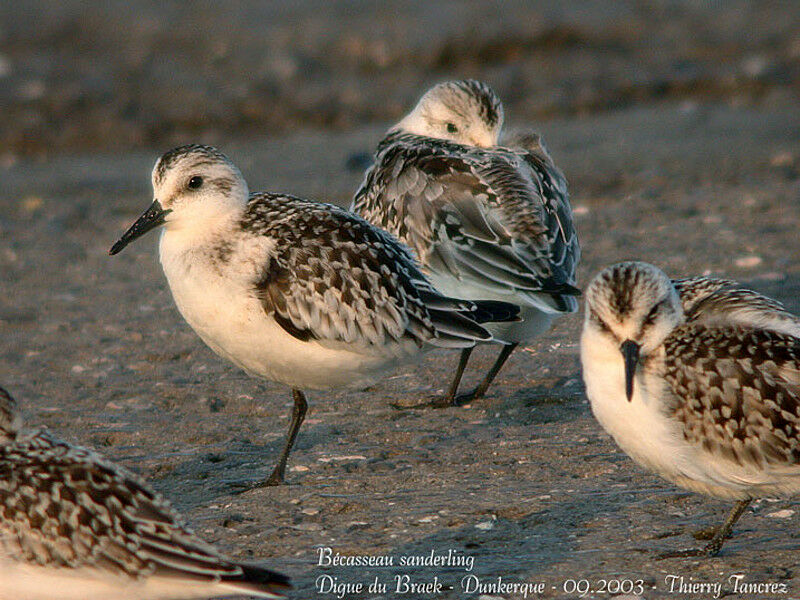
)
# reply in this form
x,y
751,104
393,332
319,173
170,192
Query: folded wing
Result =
x,y
66,507
499,220
354,283
737,392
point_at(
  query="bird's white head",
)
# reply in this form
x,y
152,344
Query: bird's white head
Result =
x,y
193,186
467,112
634,306
10,421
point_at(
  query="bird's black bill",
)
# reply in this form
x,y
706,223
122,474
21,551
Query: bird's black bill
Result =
x,y
630,352
571,290
152,218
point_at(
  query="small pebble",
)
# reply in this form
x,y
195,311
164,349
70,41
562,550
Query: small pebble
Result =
x,y
308,527
429,519
748,262
31,203
580,210
326,459
782,159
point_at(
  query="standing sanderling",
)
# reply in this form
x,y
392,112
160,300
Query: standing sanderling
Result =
x,y
297,292
75,526
697,381
485,221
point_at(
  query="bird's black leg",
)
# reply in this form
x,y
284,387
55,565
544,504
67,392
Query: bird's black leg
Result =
x,y
480,391
449,399
715,545
298,415
721,533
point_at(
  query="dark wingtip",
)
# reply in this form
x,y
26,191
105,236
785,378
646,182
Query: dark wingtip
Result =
x,y
494,311
262,580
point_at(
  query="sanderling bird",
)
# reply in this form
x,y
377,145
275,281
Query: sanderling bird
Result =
x,y
697,380
75,526
294,291
485,221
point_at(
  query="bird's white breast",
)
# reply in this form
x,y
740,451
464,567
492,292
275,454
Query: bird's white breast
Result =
x,y
218,300
639,427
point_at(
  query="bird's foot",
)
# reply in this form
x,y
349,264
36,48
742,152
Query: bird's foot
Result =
x,y
240,487
707,551
272,480
467,397
444,401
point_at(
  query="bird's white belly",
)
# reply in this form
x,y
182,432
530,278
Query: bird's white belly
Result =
x,y
20,581
232,322
533,323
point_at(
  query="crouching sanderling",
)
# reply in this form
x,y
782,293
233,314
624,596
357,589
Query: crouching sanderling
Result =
x,y
696,380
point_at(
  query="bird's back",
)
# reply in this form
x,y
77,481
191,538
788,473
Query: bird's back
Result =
x,y
497,220
72,518
723,302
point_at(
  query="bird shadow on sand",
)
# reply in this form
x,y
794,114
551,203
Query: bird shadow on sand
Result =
x,y
562,400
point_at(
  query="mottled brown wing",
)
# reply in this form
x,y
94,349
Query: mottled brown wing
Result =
x,y
737,392
692,290
65,506
719,303
349,281
552,186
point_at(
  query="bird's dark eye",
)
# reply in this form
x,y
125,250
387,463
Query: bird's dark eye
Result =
x,y
195,182
653,314
451,128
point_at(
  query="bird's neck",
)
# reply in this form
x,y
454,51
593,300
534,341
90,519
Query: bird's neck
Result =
x,y
200,232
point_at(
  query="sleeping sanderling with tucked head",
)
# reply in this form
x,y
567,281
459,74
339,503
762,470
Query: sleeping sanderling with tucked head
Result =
x,y
697,380
465,112
294,291
75,526
486,221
